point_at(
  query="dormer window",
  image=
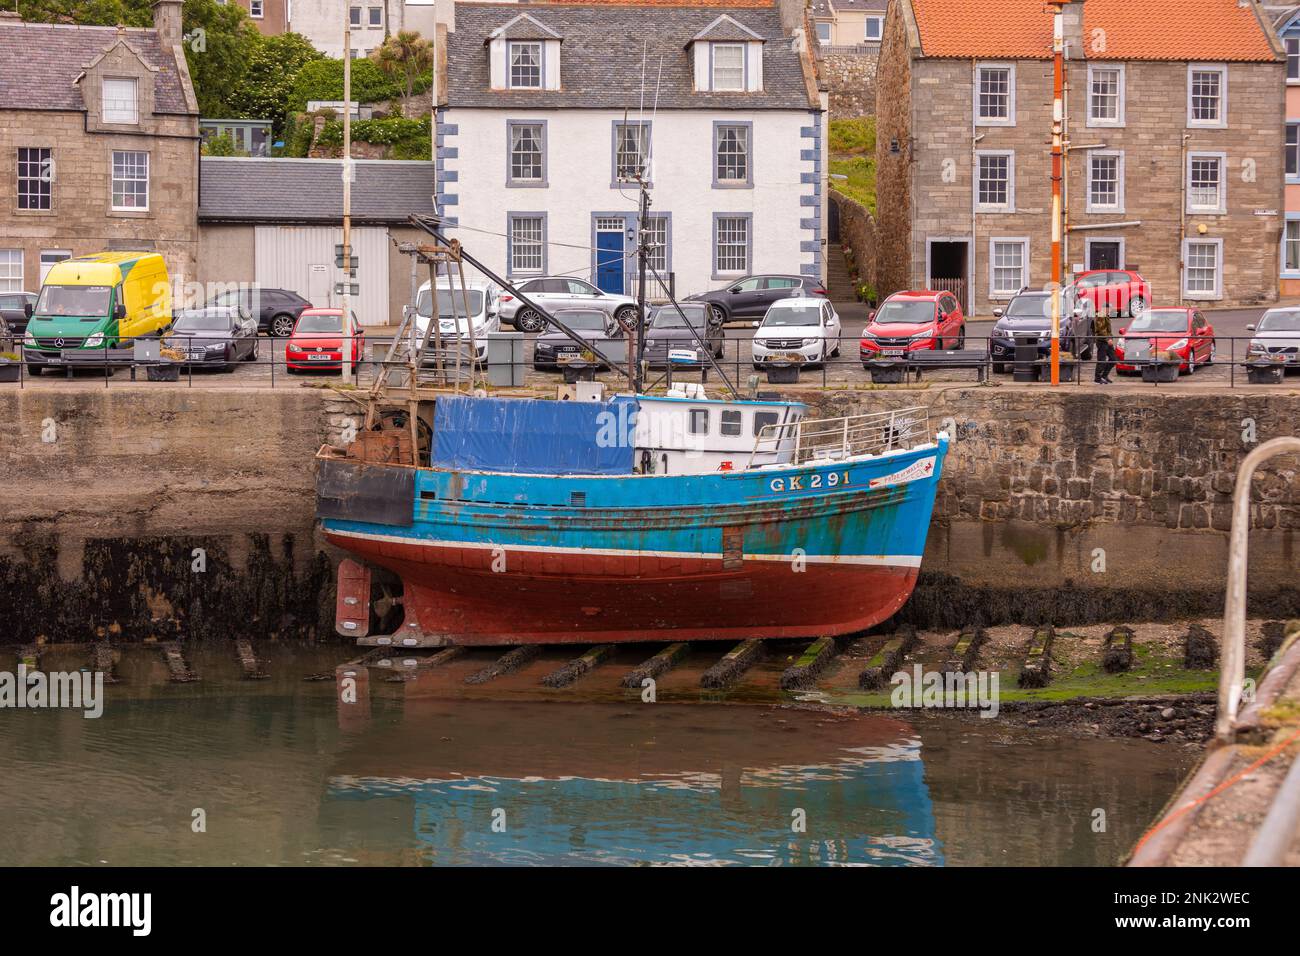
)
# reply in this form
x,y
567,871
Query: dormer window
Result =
x,y
728,73
120,101
525,59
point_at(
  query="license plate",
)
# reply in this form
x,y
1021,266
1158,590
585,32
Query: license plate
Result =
x,y
196,355
892,353
55,360
319,358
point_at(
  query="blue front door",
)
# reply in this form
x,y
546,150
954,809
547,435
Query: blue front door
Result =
x,y
609,259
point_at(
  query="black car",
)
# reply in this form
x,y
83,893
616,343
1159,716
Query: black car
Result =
x,y
13,309
674,335
553,348
215,337
1029,314
276,310
749,297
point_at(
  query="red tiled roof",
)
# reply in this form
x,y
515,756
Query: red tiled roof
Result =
x,y
1113,29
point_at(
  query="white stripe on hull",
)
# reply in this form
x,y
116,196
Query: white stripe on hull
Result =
x,y
879,560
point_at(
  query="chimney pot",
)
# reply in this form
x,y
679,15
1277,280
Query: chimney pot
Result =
x,y
167,21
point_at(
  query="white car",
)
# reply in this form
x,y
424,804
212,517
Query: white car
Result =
x,y
484,300
797,331
1277,337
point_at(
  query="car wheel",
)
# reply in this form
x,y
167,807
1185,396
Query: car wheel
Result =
x,y
1214,350
281,325
719,314
529,320
758,366
626,317
1136,306
34,370
1000,367
961,338
252,353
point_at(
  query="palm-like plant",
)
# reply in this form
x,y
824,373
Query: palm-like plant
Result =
x,y
406,54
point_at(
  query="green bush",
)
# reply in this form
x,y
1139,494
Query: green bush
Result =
x,y
323,80
853,137
406,138
221,145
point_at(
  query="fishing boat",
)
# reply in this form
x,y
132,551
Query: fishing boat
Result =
x,y
635,518
616,518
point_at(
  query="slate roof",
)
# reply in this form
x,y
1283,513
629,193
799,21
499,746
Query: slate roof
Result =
x,y
39,63
311,190
526,27
600,57
1200,30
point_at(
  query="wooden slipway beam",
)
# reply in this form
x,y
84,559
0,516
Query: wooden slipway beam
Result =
x,y
571,671
661,663
738,660
511,660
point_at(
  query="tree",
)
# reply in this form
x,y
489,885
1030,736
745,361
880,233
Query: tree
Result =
x,y
220,42
266,88
404,57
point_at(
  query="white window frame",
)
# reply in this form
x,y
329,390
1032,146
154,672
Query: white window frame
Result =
x,y
1291,149
747,252
370,17
1286,226
994,242
354,16
818,26
1201,296
9,280
541,64
112,118
1222,207
1118,205
511,127
1222,120
1121,81
539,244
1010,205
113,180
1010,118
45,175
714,49
866,29
641,156
256,9
55,256
1292,45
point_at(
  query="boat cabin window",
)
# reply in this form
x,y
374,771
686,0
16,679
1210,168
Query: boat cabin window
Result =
x,y
763,419
700,421
731,423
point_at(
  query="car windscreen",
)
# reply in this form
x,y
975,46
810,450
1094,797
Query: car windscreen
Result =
x,y
320,323
1281,321
450,303
73,300
802,315
899,312
202,322
1028,307
669,317
1159,320
586,321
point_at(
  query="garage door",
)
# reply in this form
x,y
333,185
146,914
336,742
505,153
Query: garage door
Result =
x,y
301,258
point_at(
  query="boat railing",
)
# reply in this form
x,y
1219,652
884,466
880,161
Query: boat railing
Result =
x,y
836,439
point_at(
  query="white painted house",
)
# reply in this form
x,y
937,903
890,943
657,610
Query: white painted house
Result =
x,y
552,111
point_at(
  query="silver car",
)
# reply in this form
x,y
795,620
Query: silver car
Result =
x,y
1277,338
553,293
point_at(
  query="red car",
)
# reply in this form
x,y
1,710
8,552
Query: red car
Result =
x,y
1186,332
908,321
317,341
1112,291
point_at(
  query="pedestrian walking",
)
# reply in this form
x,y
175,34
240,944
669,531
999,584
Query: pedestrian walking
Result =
x,y
1104,348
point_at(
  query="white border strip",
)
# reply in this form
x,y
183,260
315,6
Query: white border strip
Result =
x,y
882,560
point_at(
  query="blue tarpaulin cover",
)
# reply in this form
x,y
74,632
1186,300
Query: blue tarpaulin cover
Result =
x,y
533,437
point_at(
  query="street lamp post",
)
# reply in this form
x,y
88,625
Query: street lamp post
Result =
x,y
347,343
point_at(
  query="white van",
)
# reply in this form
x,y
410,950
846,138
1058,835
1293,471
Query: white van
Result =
x,y
484,300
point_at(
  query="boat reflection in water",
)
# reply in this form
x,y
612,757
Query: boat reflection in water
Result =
x,y
650,784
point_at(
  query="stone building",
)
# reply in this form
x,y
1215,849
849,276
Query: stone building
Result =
x,y
848,34
99,147
1286,20
372,21
271,17
1176,135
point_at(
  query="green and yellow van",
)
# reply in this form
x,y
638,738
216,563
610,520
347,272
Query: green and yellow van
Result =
x,y
91,308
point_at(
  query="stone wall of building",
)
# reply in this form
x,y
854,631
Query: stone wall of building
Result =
x,y
857,235
850,77
894,155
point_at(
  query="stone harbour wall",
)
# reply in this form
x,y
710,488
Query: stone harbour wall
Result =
x,y
1071,505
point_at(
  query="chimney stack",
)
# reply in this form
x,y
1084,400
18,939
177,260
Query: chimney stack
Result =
x,y
1072,21
167,21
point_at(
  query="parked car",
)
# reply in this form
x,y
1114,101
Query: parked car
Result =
x,y
750,297
797,331
276,310
1029,314
553,348
215,337
563,292
13,310
1277,337
484,302
912,321
1112,292
1184,331
317,341
674,335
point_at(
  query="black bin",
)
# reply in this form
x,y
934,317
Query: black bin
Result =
x,y
1025,368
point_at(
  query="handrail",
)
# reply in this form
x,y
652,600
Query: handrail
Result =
x,y
1232,675
846,436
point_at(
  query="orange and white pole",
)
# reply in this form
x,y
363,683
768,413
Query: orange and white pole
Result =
x,y
1058,153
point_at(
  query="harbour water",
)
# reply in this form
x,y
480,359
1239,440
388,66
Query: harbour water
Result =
x,y
275,777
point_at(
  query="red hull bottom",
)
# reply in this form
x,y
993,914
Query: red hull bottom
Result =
x,y
452,596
